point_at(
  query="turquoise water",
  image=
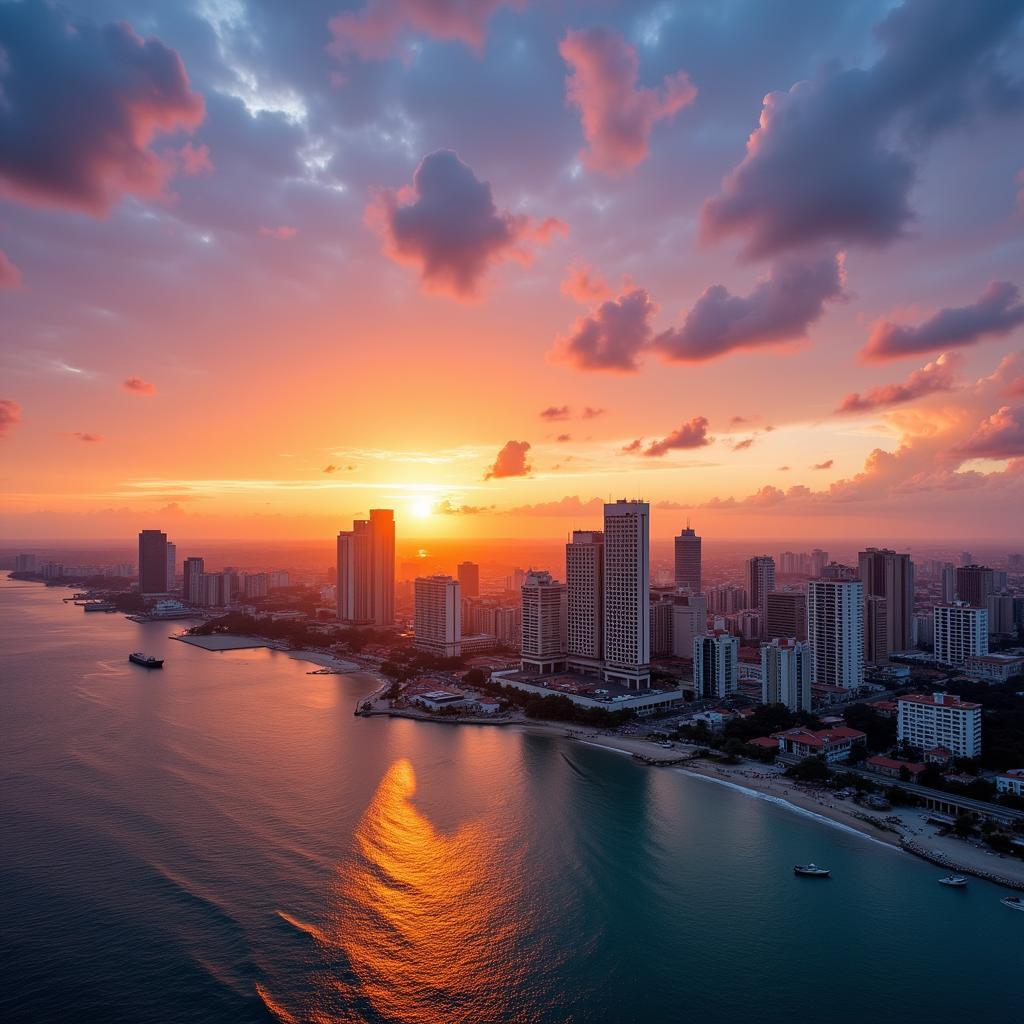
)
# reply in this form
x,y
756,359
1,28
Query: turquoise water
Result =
x,y
224,841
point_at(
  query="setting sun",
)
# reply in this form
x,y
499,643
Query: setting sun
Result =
x,y
421,507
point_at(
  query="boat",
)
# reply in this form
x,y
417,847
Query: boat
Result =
x,y
811,871
146,660
1013,902
956,881
99,606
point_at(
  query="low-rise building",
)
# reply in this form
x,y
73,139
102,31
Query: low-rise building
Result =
x,y
894,767
1011,781
994,668
832,745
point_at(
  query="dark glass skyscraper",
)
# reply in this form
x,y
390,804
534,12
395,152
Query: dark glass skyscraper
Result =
x,y
152,562
688,560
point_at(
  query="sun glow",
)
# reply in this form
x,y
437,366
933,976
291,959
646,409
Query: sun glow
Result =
x,y
421,507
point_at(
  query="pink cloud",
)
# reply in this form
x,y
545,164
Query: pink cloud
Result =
x,y
564,437
827,464
445,507
139,386
282,232
693,434
997,312
999,436
781,308
81,435
612,336
585,285
936,376
10,415
617,113
373,31
10,275
591,413
194,160
448,227
511,461
123,90
740,446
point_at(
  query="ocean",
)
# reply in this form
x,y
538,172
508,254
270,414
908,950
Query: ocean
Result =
x,y
223,841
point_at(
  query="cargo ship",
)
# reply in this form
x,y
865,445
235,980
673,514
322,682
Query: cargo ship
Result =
x,y
146,660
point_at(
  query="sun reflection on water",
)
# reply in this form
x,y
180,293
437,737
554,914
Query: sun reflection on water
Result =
x,y
421,925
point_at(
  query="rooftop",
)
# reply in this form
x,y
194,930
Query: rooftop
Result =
x,y
939,700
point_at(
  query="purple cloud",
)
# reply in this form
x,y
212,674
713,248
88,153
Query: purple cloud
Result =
x,y
781,308
996,313
81,105
937,376
10,275
832,157
612,336
448,227
693,434
138,386
555,412
618,115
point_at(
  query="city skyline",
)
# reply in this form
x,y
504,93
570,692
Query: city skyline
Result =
x,y
595,320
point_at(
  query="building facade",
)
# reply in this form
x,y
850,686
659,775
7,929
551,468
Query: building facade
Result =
x,y
932,720
786,674
584,581
152,562
889,576
835,632
366,570
786,615
760,583
437,616
469,579
715,665
544,624
961,631
626,628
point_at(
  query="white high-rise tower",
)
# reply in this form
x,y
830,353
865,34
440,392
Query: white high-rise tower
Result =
x,y
627,611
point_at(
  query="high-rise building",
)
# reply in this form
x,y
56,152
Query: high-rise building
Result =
x,y
928,720
382,566
687,560
786,674
543,624
172,565
876,629
973,584
890,576
715,665
689,620
626,630
25,563
948,577
661,625
726,599
256,585
960,631
192,570
838,571
366,570
786,615
437,617
760,583
584,579
835,632
469,579
1000,613
152,562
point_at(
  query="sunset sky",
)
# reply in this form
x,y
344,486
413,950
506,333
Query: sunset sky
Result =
x,y
264,266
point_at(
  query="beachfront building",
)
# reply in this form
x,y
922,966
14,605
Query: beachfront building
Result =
x,y
1011,781
927,720
786,674
437,617
543,618
626,625
584,581
831,745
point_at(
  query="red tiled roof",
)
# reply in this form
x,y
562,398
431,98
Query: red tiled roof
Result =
x,y
894,764
764,741
949,700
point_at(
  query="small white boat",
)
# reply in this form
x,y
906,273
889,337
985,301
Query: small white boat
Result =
x,y
811,871
1013,902
956,881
